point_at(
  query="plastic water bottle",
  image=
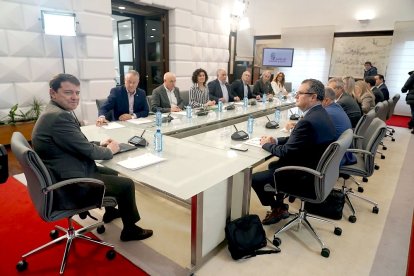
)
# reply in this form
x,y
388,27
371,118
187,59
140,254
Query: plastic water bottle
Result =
x,y
158,141
264,98
245,101
250,123
277,115
220,106
189,111
158,118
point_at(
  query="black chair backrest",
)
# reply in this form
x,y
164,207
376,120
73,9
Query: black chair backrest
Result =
x,y
4,165
373,136
110,114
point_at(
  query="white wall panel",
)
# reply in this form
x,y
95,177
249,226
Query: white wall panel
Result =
x,y
208,25
57,4
27,91
99,89
197,53
71,66
14,69
98,47
202,39
44,68
197,22
185,5
201,7
213,40
7,95
181,68
4,51
97,6
181,52
208,54
94,24
11,16
90,69
180,18
26,44
182,35
87,112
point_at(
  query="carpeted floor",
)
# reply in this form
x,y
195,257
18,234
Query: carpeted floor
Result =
x,y
398,121
22,230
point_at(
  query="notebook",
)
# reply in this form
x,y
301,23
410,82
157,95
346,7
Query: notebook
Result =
x,y
123,147
141,161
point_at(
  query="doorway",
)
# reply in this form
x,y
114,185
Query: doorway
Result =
x,y
140,37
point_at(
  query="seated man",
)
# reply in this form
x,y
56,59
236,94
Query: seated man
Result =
x,y
304,147
219,89
263,86
166,97
339,119
348,104
60,143
241,88
379,97
380,84
127,101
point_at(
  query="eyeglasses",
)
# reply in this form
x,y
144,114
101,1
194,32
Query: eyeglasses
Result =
x,y
303,93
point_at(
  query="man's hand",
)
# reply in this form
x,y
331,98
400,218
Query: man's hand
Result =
x,y
105,142
113,146
236,99
223,100
210,103
125,117
267,139
175,108
290,125
101,121
258,97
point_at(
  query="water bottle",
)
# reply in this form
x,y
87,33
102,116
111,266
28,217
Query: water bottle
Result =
x,y
158,118
158,141
220,106
250,122
245,101
189,111
264,98
277,115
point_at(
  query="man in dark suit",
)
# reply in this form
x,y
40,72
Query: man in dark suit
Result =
x,y
380,84
60,143
219,89
369,70
127,101
348,104
379,97
166,97
241,88
304,147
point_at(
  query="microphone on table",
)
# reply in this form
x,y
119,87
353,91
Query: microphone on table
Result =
x,y
239,135
271,124
138,141
294,116
167,119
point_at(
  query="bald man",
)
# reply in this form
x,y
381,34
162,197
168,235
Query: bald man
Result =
x,y
219,89
166,97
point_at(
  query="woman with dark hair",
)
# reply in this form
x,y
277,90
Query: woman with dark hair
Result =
x,y
278,84
199,91
409,86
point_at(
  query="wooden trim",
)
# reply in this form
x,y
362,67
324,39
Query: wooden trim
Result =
x,y
6,131
359,34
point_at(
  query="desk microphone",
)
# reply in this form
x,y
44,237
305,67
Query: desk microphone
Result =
x,y
167,119
138,141
239,135
271,124
202,112
294,116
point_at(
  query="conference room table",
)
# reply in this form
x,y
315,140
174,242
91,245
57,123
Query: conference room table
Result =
x,y
213,178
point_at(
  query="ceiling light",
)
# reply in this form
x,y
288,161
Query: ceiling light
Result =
x,y
153,29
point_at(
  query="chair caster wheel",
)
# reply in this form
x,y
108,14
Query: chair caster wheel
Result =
x,y
111,254
375,210
382,156
325,252
376,167
384,148
338,231
364,179
352,219
393,139
100,229
54,234
21,265
277,241
360,189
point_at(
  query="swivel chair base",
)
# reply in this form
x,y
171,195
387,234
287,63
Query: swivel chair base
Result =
x,y
70,235
301,218
347,192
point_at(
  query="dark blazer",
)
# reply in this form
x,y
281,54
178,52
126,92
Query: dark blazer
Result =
x,y
384,89
159,99
237,90
370,72
215,92
307,142
118,102
351,108
379,97
60,143
261,88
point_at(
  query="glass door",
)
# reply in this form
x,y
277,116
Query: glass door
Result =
x,y
126,48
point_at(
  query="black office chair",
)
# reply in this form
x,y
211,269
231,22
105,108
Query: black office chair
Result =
x,y
391,107
109,116
4,165
55,201
365,165
324,179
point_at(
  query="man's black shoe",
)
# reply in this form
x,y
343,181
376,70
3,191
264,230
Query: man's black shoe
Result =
x,y
111,214
135,233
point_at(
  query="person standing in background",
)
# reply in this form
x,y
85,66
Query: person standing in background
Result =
x,y
199,92
409,86
369,69
278,85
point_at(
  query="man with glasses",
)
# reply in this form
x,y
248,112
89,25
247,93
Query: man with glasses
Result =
x,y
304,147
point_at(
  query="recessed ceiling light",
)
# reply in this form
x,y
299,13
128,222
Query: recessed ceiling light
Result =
x,y
153,29
121,7
151,36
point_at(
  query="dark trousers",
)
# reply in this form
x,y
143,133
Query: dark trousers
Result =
x,y
411,122
123,189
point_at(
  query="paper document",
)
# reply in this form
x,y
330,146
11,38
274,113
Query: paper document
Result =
x,y
140,121
253,142
181,113
239,103
141,161
112,125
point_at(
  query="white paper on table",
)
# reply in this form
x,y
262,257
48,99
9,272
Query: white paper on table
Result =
x,y
134,163
253,142
140,121
112,125
239,103
181,113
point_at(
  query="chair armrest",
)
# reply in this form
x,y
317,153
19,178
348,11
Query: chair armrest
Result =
x,y
299,168
365,152
90,181
358,137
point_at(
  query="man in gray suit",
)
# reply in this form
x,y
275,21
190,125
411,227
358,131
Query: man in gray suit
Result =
x,y
60,143
167,97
